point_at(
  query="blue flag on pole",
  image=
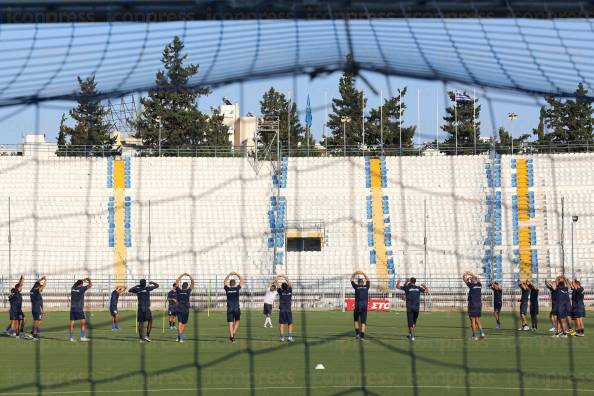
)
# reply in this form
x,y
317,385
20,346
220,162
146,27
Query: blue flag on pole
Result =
x,y
308,113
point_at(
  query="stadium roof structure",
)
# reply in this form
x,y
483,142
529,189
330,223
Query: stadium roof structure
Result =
x,y
532,48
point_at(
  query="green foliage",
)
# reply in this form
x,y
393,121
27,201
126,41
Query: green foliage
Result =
x,y
216,133
170,107
276,104
390,116
350,105
462,124
91,128
506,142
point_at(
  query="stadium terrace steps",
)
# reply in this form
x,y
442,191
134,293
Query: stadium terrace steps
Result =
x,y
208,216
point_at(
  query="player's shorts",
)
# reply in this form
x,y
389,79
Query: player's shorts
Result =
x,y
474,312
16,315
360,313
412,316
113,312
497,306
524,308
144,315
172,312
578,313
534,311
267,309
233,315
554,309
37,315
562,312
285,317
182,317
77,315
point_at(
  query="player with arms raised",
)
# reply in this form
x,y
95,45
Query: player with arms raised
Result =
x,y
233,309
475,304
413,303
285,317
144,314
77,307
183,304
37,306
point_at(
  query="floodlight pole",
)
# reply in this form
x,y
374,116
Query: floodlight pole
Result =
x,y
574,220
9,244
344,120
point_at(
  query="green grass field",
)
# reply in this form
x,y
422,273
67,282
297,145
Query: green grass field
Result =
x,y
442,361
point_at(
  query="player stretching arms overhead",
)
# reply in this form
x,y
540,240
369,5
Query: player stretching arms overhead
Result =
x,y
172,306
285,316
578,309
268,301
233,309
524,303
37,306
553,314
183,304
497,302
413,302
533,305
475,304
143,293
361,301
563,306
17,317
77,307
113,307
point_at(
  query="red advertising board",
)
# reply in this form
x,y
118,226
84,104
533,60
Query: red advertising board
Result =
x,y
373,304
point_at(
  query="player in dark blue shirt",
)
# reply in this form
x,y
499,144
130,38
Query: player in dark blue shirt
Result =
x,y
553,312
77,307
413,303
113,307
361,301
285,317
183,304
578,309
233,309
172,307
525,296
17,317
497,301
475,304
533,306
144,314
37,306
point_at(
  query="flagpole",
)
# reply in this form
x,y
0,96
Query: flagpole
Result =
x,y
289,126
474,118
437,117
382,120
325,120
419,117
456,121
400,119
363,119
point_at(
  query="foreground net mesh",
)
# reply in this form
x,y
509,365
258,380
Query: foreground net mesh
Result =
x,y
532,56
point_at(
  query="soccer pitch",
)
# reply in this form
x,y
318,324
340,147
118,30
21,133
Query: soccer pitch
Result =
x,y
443,360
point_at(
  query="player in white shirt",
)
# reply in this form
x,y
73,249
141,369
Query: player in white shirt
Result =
x,y
269,297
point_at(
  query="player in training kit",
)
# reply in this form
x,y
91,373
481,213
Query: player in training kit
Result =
x,y
497,301
533,305
113,307
524,304
268,301
37,306
172,306
143,293
413,303
578,309
17,317
77,307
233,309
563,306
553,314
285,317
183,304
361,301
475,303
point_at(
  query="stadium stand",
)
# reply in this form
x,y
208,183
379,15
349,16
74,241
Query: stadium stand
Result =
x,y
162,216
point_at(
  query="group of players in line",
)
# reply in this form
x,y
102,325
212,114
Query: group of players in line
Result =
x,y
564,306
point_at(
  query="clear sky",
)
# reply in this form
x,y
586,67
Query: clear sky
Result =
x,y
425,102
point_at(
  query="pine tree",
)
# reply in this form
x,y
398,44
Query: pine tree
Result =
x,y
275,104
580,117
61,140
506,141
91,128
217,133
468,130
349,106
539,131
170,108
390,113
